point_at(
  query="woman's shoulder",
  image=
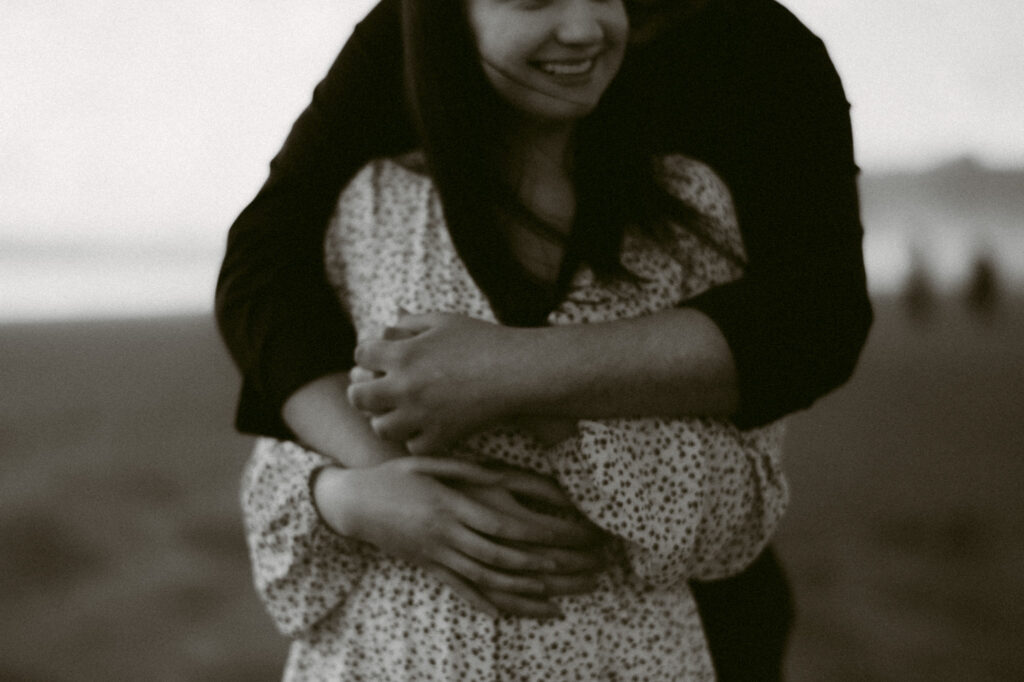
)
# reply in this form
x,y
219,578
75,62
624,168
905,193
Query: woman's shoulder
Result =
x,y
408,168
695,183
395,178
389,193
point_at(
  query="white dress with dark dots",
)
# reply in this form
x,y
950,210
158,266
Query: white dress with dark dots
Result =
x,y
686,498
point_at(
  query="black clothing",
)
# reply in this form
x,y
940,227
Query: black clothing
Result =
x,y
747,619
742,86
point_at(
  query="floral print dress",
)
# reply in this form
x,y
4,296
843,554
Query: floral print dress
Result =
x,y
684,498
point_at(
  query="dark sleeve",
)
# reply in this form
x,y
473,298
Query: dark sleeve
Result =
x,y
281,321
798,319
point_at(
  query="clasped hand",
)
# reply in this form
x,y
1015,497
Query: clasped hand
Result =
x,y
435,378
465,524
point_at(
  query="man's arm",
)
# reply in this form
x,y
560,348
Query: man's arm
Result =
x,y
279,317
796,322
453,374
789,331
792,328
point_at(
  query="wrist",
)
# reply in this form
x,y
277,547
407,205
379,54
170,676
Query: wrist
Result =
x,y
519,378
333,496
541,370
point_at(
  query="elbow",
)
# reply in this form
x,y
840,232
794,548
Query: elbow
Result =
x,y
849,335
827,356
291,615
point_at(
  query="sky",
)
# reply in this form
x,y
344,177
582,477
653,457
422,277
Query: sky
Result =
x,y
129,123
122,116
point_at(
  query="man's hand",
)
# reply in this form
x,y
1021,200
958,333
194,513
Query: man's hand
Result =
x,y
435,378
465,524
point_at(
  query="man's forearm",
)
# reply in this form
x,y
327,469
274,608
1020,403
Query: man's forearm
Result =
x,y
672,363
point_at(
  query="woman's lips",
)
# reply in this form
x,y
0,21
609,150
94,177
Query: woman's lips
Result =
x,y
567,67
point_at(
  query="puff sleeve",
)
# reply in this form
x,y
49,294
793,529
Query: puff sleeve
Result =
x,y
302,569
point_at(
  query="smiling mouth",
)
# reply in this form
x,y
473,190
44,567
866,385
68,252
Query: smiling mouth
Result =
x,y
567,68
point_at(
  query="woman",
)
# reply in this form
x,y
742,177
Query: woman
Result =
x,y
741,84
501,106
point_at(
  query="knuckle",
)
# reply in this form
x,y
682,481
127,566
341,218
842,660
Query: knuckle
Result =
x,y
508,559
406,465
358,375
475,574
398,356
498,528
382,428
498,581
492,556
364,353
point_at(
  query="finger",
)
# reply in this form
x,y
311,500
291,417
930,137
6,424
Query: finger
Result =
x,y
486,578
453,469
427,443
393,427
499,556
522,605
568,561
359,375
370,355
462,589
534,485
576,535
570,583
416,324
370,396
523,525
398,333
517,523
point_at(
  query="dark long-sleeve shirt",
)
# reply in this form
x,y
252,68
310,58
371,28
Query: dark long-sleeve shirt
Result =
x,y
742,86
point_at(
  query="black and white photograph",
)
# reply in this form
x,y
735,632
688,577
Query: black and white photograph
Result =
x,y
511,341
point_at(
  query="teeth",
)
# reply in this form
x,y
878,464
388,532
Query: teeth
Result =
x,y
567,68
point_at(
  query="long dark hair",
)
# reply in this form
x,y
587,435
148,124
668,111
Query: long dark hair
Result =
x,y
461,121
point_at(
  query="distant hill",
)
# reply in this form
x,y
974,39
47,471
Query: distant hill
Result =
x,y
962,194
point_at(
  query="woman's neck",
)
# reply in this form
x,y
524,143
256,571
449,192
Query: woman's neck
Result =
x,y
539,167
540,149
540,170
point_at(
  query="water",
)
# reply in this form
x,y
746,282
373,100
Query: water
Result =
x,y
47,283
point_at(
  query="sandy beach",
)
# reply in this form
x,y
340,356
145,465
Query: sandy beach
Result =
x,y
122,556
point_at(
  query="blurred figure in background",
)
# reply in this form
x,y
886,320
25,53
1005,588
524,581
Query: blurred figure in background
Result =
x,y
982,294
919,289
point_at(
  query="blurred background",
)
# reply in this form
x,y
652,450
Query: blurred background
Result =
x,y
131,134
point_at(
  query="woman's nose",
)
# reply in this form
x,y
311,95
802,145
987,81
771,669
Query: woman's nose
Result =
x,y
580,23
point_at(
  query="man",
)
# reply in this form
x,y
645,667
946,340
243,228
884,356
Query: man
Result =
x,y
738,84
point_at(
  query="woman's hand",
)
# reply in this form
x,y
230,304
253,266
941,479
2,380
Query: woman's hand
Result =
x,y
435,378
463,523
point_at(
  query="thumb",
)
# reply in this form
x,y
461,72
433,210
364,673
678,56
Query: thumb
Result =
x,y
400,331
409,325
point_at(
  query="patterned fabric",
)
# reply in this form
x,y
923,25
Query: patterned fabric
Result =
x,y
685,498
